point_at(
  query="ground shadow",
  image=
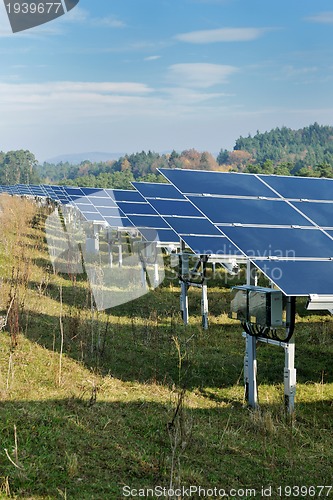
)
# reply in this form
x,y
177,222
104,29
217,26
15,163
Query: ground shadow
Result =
x,y
73,448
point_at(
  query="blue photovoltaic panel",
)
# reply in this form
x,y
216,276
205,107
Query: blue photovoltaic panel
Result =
x,y
258,242
181,208
38,191
191,225
85,207
300,277
217,183
92,216
171,204
56,193
73,191
130,208
100,201
308,188
23,189
117,222
124,195
320,213
94,192
143,216
109,211
162,235
249,211
158,190
216,245
152,221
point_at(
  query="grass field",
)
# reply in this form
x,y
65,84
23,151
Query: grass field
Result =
x,y
93,402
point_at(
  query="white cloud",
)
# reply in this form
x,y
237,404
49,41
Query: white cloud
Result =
x,y
200,75
57,88
77,15
152,58
321,17
110,22
222,35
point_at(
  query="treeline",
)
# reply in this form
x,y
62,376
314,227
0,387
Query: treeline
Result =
x,y
18,167
283,151
119,174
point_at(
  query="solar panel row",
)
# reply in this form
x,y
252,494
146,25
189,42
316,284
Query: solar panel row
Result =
x,y
282,224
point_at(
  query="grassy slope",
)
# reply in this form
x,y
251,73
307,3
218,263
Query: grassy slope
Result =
x,y
106,416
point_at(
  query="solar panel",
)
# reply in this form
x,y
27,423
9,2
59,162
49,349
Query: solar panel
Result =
x,y
308,188
38,191
143,216
300,278
157,190
292,243
136,208
179,208
164,236
264,224
218,246
198,233
217,183
148,221
249,211
320,213
192,225
123,195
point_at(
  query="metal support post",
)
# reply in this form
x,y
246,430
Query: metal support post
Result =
x,y
109,240
143,275
156,275
96,239
184,302
110,254
184,272
92,242
214,269
204,296
120,255
204,306
251,388
250,359
289,377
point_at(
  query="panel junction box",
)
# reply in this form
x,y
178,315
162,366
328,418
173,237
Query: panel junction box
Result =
x,y
257,305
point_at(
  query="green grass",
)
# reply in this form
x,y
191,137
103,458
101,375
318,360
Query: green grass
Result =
x,y
138,399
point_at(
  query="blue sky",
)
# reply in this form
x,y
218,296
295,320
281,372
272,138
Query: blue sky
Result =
x,y
132,75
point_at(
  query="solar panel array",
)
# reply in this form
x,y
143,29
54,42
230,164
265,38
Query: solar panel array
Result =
x,y
284,225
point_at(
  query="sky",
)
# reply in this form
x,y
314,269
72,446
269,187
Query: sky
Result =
x,y
132,75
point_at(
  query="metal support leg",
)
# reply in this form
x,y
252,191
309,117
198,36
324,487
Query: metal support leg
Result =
x,y
184,271
143,276
214,269
110,254
204,306
250,360
290,377
120,254
156,275
184,302
250,372
96,239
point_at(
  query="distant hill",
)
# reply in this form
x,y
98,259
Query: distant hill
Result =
x,y
77,158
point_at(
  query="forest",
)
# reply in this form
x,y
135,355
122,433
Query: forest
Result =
x,y
281,151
